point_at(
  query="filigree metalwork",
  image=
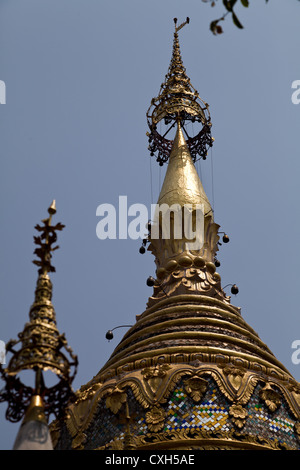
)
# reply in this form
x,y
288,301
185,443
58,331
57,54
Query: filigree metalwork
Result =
x,y
17,395
42,347
178,100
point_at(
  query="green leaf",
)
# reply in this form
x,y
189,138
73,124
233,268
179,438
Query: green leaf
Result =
x,y
236,21
227,5
245,3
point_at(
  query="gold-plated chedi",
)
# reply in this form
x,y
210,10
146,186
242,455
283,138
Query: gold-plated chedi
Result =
x,y
190,373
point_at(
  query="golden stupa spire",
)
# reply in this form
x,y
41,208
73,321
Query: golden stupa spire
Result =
x,y
42,347
179,105
190,373
191,241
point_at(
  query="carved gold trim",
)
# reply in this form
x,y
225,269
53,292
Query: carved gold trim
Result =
x,y
155,419
188,354
115,400
297,429
195,335
196,387
206,301
271,397
152,387
238,414
199,440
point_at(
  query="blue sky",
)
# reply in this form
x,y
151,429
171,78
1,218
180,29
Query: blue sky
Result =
x,y
79,79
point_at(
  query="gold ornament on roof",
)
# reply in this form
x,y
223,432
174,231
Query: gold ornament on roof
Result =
x,y
178,100
42,346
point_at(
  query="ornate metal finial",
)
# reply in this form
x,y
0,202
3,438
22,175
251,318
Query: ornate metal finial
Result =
x,y
45,241
178,28
41,343
178,101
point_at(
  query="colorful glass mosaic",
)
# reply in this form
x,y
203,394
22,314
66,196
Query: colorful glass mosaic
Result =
x,y
107,426
277,425
210,414
181,411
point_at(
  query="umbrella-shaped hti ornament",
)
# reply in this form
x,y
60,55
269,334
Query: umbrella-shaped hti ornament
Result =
x,y
39,347
178,101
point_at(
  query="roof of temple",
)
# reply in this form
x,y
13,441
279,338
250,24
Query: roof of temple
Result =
x,y
190,373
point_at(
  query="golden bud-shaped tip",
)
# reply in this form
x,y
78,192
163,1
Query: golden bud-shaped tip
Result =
x,y
52,208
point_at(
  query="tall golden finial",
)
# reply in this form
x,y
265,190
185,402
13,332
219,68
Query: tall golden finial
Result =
x,y
41,343
178,100
183,236
182,203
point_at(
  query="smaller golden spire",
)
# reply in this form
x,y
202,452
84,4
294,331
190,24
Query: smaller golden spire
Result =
x,y
41,343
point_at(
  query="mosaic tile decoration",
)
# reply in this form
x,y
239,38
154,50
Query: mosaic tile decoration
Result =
x,y
106,426
211,414
277,426
182,412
